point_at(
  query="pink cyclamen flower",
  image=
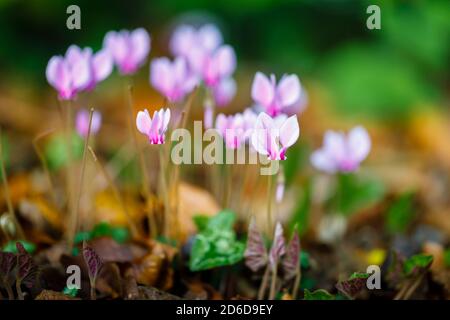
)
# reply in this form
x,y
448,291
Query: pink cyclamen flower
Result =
x,y
186,37
172,79
224,91
231,128
154,128
275,97
82,122
129,49
273,139
342,153
213,66
78,70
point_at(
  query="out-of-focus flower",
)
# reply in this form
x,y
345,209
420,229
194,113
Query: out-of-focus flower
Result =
x,y
154,128
213,66
224,91
129,49
78,70
272,139
273,97
342,153
231,128
172,79
82,122
100,63
70,74
186,37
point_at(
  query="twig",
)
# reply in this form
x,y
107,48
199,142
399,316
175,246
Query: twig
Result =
x,y
19,229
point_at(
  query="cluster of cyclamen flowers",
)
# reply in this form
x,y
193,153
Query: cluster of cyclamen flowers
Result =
x,y
270,127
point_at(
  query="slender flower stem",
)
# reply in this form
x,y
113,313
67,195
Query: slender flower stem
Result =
x,y
93,292
9,291
74,217
273,282
164,191
144,174
298,277
264,282
269,203
69,176
115,190
44,165
12,215
19,290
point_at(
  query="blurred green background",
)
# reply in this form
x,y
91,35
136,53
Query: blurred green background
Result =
x,y
383,73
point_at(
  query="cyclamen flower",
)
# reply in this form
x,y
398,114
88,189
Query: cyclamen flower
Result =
x,y
82,122
172,79
342,153
272,139
78,70
224,91
129,49
273,97
155,129
213,66
236,129
231,128
186,37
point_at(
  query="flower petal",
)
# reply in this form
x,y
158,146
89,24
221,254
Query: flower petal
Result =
x,y
288,90
140,45
102,64
209,37
321,160
225,59
359,143
289,132
262,90
143,122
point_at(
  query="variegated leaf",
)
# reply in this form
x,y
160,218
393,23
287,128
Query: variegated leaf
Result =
x,y
278,246
255,254
291,261
92,260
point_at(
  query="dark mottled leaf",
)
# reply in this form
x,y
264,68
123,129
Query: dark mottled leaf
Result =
x,y
92,260
7,263
27,270
291,261
355,284
278,248
256,253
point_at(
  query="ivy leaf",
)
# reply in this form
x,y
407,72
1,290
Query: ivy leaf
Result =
x,y
278,246
216,245
256,253
320,294
201,222
291,261
27,270
417,264
355,284
92,260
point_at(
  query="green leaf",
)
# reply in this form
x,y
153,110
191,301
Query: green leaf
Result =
x,y
301,213
417,263
120,234
447,258
304,259
56,150
353,285
11,246
400,214
82,236
103,229
320,294
216,245
201,222
70,292
355,193
359,275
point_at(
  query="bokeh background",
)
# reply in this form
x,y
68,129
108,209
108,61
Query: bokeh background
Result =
x,y
395,81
